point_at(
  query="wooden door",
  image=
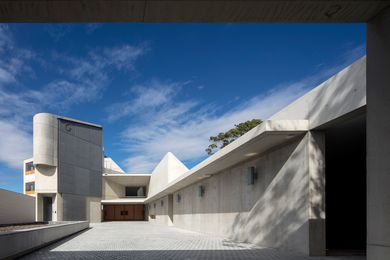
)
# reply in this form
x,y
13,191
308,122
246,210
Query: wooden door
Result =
x,y
139,212
109,212
119,212
129,212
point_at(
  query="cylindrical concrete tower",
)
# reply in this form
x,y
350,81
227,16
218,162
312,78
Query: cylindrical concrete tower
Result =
x,y
45,139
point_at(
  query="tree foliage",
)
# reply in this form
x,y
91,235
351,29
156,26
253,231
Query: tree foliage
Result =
x,y
224,138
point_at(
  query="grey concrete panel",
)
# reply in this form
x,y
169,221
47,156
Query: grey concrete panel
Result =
x,y
80,159
74,207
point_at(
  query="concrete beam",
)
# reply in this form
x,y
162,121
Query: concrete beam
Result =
x,y
189,10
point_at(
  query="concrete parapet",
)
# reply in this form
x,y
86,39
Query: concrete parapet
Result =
x,y
17,243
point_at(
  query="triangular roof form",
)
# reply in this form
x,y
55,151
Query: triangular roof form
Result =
x,y
167,170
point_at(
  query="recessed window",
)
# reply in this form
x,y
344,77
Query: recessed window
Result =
x,y
201,190
162,203
178,198
29,167
251,175
30,186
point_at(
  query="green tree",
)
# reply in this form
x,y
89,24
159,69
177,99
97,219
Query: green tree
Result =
x,y
224,138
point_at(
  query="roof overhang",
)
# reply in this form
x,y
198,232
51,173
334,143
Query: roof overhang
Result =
x,y
190,10
260,139
128,179
124,201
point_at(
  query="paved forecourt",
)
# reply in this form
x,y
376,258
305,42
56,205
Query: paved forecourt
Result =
x,y
143,240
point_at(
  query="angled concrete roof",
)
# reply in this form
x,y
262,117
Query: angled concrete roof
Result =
x,y
258,140
167,170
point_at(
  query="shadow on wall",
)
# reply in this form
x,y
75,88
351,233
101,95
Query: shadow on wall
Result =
x,y
46,170
224,180
273,212
279,218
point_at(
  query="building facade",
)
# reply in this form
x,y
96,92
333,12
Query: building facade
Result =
x,y
295,182
29,177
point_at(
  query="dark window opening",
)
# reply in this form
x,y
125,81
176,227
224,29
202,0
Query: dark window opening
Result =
x,y
30,186
29,166
135,191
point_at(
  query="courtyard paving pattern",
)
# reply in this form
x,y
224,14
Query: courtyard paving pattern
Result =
x,y
143,240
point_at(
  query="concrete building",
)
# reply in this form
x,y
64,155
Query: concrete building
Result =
x,y
269,187
376,14
68,161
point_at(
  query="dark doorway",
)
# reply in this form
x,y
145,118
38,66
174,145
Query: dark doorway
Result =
x,y
47,208
346,187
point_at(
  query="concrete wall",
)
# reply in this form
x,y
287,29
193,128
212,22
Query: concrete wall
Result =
x,y
378,137
339,95
273,212
16,243
16,207
80,159
112,190
94,209
160,211
46,179
80,171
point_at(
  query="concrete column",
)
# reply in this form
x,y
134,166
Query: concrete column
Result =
x,y
317,238
378,137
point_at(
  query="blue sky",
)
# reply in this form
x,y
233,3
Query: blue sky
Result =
x,y
158,87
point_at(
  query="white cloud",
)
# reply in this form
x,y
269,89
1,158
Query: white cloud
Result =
x,y
184,127
78,80
146,98
16,143
162,121
92,27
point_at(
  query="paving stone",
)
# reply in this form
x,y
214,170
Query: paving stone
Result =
x,y
143,240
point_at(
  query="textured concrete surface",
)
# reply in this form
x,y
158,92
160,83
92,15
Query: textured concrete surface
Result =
x,y
378,137
16,207
18,242
143,240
